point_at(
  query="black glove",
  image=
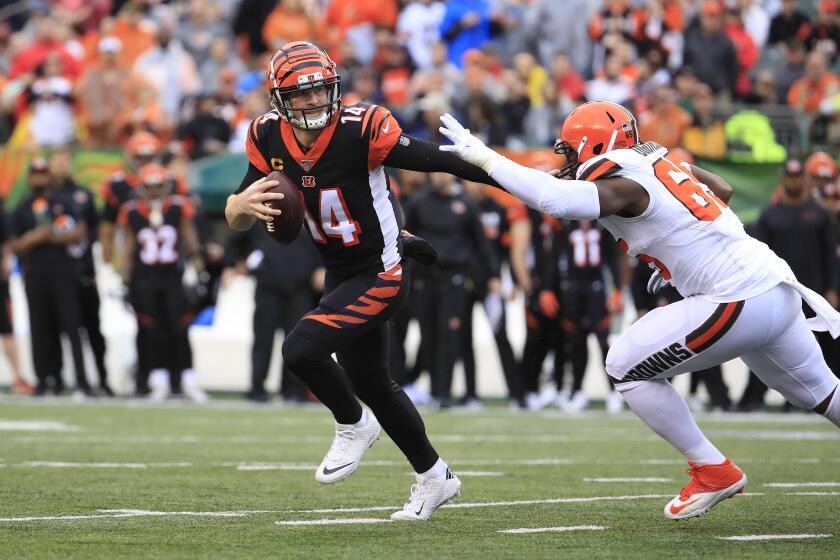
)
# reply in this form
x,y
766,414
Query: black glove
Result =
x,y
418,249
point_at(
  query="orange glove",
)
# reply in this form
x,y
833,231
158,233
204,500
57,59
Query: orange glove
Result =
x,y
549,306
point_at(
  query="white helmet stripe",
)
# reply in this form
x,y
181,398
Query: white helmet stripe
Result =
x,y
612,140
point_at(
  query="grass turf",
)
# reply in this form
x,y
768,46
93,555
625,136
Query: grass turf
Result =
x,y
228,458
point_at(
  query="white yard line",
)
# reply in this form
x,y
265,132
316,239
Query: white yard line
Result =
x,y
117,513
36,426
776,537
345,521
802,484
630,479
496,504
68,465
776,435
527,530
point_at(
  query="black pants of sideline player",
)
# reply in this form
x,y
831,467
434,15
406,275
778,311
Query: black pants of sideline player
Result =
x,y
442,307
510,368
163,318
351,320
54,309
542,335
584,311
89,307
275,310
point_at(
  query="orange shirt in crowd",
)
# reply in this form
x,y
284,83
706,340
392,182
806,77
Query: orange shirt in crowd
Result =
x,y
344,14
807,94
283,26
664,127
136,38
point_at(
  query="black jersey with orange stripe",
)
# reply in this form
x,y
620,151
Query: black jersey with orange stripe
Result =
x,y
121,187
350,213
157,251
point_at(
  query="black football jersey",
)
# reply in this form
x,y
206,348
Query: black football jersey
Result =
x,y
120,188
158,248
586,251
496,220
350,214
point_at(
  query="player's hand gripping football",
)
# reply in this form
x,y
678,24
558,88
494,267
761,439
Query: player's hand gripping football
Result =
x,y
250,201
465,145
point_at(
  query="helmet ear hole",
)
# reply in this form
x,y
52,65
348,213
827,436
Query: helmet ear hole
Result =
x,y
597,149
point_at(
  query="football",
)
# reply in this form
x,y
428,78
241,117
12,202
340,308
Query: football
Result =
x,y
285,227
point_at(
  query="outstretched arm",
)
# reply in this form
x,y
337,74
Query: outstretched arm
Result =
x,y
579,200
415,154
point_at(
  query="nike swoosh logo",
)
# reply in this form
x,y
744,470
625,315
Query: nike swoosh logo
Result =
x,y
330,471
386,127
421,508
676,509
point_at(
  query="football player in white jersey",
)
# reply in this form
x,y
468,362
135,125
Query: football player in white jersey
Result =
x,y
741,300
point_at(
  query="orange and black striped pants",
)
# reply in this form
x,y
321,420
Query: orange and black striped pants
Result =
x,y
351,320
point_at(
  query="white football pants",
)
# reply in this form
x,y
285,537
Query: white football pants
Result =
x,y
767,331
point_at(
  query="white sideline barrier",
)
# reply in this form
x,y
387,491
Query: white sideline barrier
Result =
x,y
222,352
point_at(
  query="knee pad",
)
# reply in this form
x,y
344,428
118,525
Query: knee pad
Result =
x,y
616,362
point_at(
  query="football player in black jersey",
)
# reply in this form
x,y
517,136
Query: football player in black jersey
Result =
x,y
589,264
159,237
141,148
336,155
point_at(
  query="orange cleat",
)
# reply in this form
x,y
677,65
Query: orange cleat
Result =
x,y
709,485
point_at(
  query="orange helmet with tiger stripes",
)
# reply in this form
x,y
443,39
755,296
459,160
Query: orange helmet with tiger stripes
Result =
x,y
297,67
592,129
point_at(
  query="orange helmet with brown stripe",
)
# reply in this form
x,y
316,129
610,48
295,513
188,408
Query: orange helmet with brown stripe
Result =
x,y
299,67
592,129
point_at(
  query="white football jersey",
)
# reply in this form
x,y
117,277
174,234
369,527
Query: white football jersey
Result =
x,y
686,231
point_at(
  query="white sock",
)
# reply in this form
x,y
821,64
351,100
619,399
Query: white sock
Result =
x,y
189,379
659,406
438,470
159,378
360,424
833,410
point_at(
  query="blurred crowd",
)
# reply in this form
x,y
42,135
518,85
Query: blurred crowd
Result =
x,y
191,72
171,82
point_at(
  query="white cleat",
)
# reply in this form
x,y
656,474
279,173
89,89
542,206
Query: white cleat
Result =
x,y
577,403
189,384
417,395
159,385
346,451
546,397
615,403
562,400
428,495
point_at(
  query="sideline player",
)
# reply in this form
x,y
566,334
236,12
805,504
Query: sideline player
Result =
x,y
336,155
741,300
159,236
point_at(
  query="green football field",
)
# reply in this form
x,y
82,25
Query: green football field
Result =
x,y
127,480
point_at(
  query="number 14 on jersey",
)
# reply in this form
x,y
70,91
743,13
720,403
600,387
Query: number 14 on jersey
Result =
x,y
335,219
